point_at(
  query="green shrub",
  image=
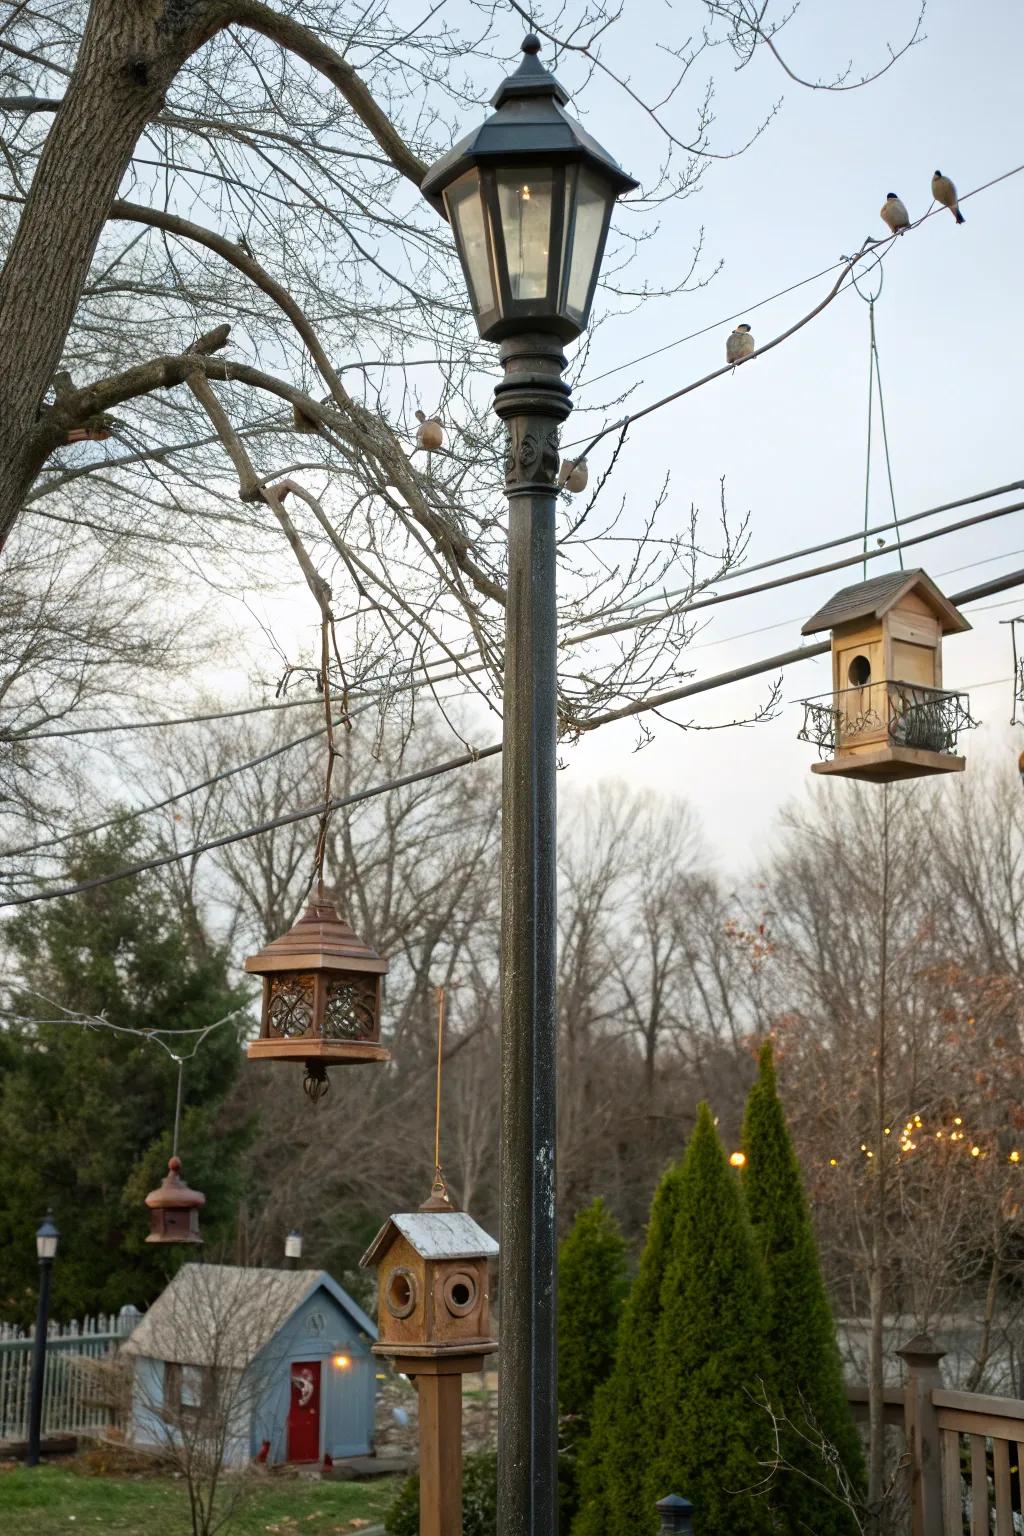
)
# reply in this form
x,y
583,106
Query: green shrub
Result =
x,y
592,1286
614,1458
479,1499
706,1434
801,1335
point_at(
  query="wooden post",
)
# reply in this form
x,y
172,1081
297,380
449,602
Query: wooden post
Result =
x,y
439,1384
921,1356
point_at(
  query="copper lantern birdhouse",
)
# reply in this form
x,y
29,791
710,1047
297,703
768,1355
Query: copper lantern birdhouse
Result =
x,y
888,715
321,996
174,1209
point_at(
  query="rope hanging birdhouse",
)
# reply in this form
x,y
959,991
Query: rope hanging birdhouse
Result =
x,y
173,1207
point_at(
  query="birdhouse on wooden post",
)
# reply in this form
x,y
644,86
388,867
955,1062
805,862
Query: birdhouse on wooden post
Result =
x,y
174,1209
888,715
433,1320
321,996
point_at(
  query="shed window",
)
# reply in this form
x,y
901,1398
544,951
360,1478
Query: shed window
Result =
x,y
188,1389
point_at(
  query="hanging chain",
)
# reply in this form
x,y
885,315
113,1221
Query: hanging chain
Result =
x,y
875,374
439,1188
325,819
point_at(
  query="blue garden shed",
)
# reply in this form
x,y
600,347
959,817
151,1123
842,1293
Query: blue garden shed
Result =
x,y
274,1365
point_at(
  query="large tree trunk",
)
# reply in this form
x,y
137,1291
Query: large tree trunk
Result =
x,y
130,53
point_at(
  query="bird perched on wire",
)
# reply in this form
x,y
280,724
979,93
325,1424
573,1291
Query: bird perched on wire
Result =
x,y
739,346
894,213
944,192
573,475
429,433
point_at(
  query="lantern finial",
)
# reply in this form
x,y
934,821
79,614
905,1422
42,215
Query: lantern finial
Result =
x,y
531,43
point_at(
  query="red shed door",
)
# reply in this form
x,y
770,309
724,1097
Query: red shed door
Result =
x,y
304,1412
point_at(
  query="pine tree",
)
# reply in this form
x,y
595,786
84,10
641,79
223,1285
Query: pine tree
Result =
x,y
592,1286
86,1115
623,1439
708,1433
801,1333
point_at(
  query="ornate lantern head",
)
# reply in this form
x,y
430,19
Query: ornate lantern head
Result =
x,y
321,996
174,1209
529,195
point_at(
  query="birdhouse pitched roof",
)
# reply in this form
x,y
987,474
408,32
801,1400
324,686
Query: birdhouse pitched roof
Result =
x,y
223,1315
874,598
434,1235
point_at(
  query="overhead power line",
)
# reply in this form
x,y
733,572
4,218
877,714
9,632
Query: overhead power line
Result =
x,y
342,802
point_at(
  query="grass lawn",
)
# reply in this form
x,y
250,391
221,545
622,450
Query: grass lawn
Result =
x,y
49,1500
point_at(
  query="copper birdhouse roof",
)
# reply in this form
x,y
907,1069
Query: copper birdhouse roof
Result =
x,y
173,1192
319,941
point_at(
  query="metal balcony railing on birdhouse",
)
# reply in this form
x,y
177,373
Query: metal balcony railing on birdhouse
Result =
x,y
902,714
322,989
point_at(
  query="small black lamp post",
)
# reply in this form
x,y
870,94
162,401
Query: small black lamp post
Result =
x,y
676,1516
293,1248
529,195
47,1238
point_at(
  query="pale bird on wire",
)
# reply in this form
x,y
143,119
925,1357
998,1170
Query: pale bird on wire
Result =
x,y
739,346
429,433
944,192
894,213
573,475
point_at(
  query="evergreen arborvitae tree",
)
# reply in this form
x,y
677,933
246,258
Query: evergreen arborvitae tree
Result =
x,y
623,1439
86,1115
801,1335
707,1430
592,1286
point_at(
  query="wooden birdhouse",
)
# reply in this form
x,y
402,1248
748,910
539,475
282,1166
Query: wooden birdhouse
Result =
x,y
888,715
433,1285
321,996
174,1209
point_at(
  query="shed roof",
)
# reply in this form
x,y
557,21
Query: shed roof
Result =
x,y
224,1315
434,1235
875,597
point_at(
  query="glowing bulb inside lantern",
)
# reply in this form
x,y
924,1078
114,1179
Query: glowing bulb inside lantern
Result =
x,y
341,1362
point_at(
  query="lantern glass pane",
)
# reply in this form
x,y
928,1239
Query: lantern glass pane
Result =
x,y
592,202
46,1246
524,201
464,201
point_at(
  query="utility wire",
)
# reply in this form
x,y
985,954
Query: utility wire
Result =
x,y
220,777
657,701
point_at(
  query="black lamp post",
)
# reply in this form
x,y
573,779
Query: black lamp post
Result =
x,y
529,196
47,1238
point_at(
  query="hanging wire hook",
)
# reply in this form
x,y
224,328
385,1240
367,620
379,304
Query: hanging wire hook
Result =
x,y
177,1105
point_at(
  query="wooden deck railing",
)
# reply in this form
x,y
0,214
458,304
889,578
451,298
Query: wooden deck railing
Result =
x,y
965,1449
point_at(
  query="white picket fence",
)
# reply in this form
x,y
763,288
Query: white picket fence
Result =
x,y
72,1402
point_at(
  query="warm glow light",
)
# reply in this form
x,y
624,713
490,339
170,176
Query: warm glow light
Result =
x,y
833,1162
341,1362
526,194
957,1120
738,1159
975,1151
1014,1156
888,1130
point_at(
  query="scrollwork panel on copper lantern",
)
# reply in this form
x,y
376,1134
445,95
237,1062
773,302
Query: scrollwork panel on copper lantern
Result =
x,y
322,990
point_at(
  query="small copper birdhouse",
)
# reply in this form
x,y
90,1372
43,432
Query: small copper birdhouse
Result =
x,y
174,1209
433,1285
888,715
321,996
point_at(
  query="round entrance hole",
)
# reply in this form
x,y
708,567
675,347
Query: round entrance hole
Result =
x,y
400,1292
460,1293
859,672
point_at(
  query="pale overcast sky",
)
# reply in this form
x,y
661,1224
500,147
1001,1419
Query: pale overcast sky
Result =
x,y
788,431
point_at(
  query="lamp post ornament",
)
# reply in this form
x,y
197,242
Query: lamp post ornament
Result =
x,y
529,195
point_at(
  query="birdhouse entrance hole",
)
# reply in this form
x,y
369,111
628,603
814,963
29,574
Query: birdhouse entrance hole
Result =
x,y
460,1294
401,1293
860,672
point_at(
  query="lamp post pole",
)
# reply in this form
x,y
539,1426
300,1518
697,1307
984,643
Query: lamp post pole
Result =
x,y
46,1247
529,195
532,400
